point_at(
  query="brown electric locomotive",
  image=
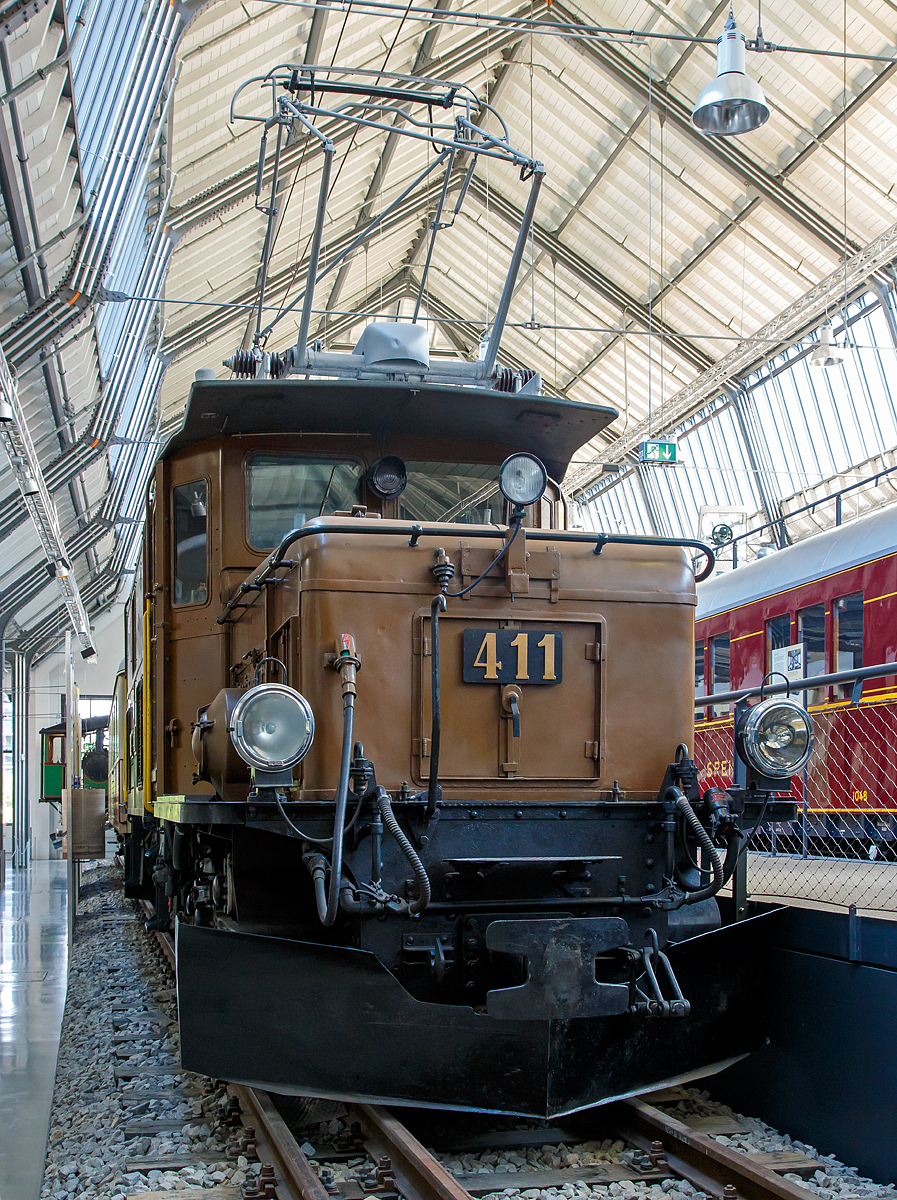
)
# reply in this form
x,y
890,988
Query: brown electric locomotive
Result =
x,y
408,759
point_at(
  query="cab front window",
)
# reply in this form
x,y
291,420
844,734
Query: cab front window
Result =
x,y
286,490
462,492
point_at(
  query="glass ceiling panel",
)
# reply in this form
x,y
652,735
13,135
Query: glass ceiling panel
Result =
x,y
812,424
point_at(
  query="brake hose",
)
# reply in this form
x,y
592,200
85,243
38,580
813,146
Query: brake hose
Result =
x,y
422,899
716,862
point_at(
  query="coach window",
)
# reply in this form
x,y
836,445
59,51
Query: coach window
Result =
x,y
811,631
778,634
700,689
286,490
191,558
847,635
720,671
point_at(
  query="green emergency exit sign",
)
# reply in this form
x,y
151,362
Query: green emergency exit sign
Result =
x,y
659,452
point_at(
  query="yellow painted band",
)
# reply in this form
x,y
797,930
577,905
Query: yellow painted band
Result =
x,y
147,714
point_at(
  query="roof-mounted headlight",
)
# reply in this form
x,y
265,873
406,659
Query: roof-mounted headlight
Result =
x,y
387,477
775,737
272,727
522,479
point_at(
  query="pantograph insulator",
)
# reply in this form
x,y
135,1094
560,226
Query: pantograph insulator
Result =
x,y
243,363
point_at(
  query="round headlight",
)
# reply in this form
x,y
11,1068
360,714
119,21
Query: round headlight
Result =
x,y
272,727
387,477
522,479
776,737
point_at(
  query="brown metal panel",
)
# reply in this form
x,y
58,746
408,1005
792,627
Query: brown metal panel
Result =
x,y
556,722
198,665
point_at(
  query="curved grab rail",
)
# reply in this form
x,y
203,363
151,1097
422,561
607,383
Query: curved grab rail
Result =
x,y
604,539
413,532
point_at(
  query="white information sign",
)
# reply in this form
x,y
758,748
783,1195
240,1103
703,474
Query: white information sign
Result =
x,y
789,661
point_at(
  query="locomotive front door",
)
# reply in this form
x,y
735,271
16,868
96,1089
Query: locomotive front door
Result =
x,y
520,699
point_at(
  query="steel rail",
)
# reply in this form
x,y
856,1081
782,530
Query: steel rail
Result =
x,y
419,1174
297,1176
699,1158
165,940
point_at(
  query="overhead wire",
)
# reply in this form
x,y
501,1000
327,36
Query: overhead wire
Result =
x,y
566,29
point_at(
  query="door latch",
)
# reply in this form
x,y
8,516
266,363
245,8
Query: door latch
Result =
x,y
510,707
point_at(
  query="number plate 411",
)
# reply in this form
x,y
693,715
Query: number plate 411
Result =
x,y
513,656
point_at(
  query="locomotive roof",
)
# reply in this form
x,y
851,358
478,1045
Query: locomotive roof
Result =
x,y
838,549
549,428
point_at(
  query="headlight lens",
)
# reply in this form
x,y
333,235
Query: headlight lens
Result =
x,y
776,737
522,479
272,727
387,477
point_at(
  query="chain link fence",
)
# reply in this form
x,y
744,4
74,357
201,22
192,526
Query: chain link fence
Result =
x,y
842,849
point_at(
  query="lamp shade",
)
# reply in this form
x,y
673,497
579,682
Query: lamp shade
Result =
x,y
731,103
827,352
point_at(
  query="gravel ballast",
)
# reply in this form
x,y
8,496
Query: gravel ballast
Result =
x,y
119,982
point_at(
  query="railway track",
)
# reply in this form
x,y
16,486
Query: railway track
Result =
x,y
660,1147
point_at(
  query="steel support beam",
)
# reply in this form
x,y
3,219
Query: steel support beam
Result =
x,y
761,465
787,326
589,274
20,799
422,60
648,487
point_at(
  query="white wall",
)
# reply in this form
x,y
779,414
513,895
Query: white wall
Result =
x,y
47,685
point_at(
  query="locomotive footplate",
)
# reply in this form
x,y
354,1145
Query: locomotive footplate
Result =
x,y
330,1021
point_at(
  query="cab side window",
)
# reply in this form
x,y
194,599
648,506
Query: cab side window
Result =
x,y
190,542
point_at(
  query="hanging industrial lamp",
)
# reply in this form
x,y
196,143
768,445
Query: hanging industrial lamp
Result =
x,y
827,353
731,103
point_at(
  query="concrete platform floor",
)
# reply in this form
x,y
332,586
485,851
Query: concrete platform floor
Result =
x,y
33,970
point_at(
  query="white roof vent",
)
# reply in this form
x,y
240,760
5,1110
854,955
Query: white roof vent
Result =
x,y
394,347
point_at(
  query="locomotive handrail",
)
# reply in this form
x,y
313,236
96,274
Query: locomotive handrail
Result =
x,y
858,675
415,531
628,539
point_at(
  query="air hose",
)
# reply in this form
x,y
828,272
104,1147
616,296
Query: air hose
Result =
x,y
716,862
347,663
422,899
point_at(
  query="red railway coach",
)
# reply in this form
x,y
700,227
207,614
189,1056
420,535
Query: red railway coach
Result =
x,y
827,604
